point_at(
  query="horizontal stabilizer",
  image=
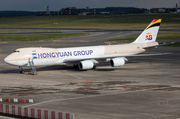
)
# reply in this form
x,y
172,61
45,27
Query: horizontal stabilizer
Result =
x,y
153,54
157,45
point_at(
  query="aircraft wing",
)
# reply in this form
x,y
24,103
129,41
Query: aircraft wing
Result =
x,y
104,57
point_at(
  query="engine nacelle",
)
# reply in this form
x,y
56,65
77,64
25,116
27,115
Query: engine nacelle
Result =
x,y
117,62
84,65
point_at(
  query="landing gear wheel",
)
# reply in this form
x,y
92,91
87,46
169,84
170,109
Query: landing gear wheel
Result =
x,y
94,67
75,66
22,70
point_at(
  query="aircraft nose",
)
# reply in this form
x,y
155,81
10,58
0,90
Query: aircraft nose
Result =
x,y
9,60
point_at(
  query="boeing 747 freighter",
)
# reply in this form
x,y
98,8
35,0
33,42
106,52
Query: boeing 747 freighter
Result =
x,y
86,57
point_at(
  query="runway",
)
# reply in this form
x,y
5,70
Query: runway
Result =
x,y
144,88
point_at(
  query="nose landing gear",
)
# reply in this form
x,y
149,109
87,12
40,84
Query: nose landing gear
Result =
x,y
22,70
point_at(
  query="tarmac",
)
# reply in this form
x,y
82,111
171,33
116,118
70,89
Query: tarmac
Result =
x,y
144,88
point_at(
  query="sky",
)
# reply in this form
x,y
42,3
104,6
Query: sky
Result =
x,y
55,5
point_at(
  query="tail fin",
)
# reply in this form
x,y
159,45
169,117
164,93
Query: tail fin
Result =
x,y
150,33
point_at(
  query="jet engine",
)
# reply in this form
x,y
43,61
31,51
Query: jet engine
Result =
x,y
115,62
87,64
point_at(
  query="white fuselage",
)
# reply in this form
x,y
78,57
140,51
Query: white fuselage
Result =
x,y
56,56
86,57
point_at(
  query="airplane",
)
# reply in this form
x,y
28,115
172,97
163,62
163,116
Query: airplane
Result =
x,y
85,58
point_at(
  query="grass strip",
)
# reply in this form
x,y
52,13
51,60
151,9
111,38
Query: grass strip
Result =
x,y
91,21
37,37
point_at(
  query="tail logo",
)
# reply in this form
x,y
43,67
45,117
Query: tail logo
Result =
x,y
148,36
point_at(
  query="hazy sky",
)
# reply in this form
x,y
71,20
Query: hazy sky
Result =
x,y
55,5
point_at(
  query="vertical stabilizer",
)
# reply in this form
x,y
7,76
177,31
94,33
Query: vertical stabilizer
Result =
x,y
150,33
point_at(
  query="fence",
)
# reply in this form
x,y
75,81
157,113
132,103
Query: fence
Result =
x,y
25,112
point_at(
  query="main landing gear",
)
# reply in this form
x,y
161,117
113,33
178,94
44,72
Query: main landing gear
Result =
x,y
75,66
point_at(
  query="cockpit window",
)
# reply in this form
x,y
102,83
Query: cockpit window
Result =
x,y
16,51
